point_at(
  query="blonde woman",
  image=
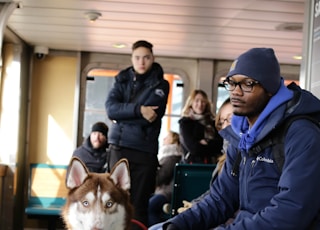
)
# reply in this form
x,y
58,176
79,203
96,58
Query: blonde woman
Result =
x,y
199,137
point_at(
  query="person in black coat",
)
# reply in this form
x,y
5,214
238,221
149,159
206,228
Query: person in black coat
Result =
x,y
94,150
198,135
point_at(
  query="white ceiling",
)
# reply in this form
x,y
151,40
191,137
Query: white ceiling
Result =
x,y
218,29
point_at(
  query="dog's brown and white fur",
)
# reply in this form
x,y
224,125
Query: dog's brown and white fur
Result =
x,y
97,201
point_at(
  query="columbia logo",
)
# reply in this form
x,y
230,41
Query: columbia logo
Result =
x,y
267,160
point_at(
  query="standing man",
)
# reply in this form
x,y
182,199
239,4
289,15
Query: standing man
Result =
x,y
136,104
263,195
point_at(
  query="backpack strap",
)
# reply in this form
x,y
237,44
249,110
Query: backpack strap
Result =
x,y
274,139
236,165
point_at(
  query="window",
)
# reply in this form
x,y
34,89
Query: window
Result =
x,y
100,81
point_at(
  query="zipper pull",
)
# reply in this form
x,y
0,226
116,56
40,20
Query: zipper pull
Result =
x,y
253,162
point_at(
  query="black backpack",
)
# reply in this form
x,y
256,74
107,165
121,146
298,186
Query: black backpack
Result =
x,y
275,139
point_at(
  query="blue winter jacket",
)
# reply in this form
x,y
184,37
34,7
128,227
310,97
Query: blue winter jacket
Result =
x,y
262,196
130,91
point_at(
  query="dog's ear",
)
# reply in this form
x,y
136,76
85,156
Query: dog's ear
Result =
x,y
77,173
120,174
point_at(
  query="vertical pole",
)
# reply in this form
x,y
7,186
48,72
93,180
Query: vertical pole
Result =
x,y
3,172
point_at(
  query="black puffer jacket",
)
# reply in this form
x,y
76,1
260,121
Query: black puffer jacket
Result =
x,y
94,159
129,128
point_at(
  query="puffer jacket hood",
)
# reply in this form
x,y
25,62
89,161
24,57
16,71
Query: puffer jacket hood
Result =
x,y
303,102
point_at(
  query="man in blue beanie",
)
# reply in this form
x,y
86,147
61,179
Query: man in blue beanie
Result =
x,y
263,195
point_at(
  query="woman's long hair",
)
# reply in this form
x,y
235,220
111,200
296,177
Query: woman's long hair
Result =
x,y
188,104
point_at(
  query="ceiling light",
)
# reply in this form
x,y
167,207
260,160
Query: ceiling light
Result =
x,y
290,27
297,57
119,45
93,15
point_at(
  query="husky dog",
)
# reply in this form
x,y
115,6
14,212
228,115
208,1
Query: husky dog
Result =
x,y
97,201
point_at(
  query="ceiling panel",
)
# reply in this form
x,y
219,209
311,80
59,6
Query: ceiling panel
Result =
x,y
189,29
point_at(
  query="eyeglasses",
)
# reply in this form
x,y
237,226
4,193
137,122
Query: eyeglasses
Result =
x,y
245,85
222,121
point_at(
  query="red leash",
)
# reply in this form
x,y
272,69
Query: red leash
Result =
x,y
141,225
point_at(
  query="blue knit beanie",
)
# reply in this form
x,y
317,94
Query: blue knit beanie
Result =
x,y
260,64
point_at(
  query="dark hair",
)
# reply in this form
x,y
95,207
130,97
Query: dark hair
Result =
x,y
142,43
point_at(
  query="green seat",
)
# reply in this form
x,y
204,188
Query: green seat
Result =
x,y
190,181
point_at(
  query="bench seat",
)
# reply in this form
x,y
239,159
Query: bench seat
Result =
x,y
46,192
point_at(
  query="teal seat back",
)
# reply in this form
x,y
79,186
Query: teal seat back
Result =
x,y
46,189
190,181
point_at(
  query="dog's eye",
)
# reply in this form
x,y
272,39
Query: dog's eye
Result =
x,y
85,203
109,204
